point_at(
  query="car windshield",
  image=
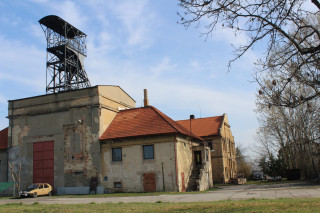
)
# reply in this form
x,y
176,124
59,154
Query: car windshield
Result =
x,y
33,186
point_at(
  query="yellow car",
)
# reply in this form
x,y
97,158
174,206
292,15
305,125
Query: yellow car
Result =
x,y
37,189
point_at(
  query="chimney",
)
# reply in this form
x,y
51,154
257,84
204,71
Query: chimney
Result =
x,y
145,100
191,118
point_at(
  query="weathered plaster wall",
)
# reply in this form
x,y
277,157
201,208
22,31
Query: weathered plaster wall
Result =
x,y
184,161
217,161
37,122
81,153
112,99
205,181
70,119
132,167
223,162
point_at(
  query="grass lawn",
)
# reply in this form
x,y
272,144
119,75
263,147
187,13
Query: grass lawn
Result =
x,y
252,205
127,194
133,194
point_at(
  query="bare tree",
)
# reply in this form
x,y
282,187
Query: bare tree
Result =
x,y
290,31
16,175
292,133
244,167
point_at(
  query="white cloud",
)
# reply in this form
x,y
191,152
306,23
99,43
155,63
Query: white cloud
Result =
x,y
67,10
21,63
195,65
225,34
138,20
39,1
70,12
309,6
229,36
3,99
8,20
245,138
163,68
36,31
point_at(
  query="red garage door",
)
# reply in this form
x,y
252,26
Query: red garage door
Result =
x,y
43,162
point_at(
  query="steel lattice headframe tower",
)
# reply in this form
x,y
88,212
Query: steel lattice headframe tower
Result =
x,y
66,50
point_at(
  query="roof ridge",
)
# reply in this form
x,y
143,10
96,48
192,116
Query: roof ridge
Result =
x,y
159,113
149,120
176,123
135,108
202,118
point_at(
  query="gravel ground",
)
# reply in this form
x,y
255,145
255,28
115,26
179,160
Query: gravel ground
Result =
x,y
229,192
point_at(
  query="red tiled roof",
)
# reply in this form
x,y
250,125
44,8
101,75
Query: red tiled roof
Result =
x,y
4,138
143,122
203,126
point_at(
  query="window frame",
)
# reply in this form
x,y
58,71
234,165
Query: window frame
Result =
x,y
113,159
143,150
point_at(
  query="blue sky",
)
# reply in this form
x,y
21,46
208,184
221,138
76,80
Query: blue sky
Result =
x,y
136,45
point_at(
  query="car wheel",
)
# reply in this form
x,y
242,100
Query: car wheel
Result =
x,y
35,194
50,193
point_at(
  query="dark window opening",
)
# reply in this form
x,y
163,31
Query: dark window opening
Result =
x,y
197,158
117,185
210,144
207,155
116,154
148,152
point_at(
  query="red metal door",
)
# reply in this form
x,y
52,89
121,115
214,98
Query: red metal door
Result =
x,y
43,162
149,182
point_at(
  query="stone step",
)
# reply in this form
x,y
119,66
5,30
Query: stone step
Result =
x,y
194,176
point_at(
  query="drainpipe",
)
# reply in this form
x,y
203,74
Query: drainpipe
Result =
x,y
175,155
11,123
91,102
164,188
